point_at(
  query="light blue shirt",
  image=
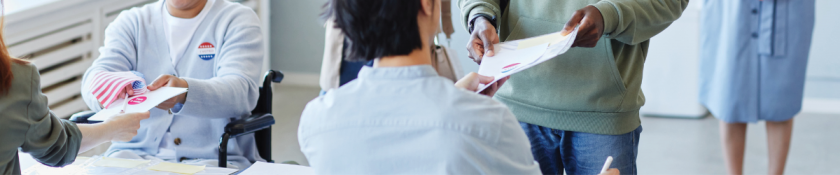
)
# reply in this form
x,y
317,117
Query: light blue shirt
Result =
x,y
409,120
753,56
221,65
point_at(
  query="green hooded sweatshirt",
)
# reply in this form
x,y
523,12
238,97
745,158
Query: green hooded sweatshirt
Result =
x,y
593,90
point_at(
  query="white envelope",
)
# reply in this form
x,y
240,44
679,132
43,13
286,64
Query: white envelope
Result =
x,y
139,103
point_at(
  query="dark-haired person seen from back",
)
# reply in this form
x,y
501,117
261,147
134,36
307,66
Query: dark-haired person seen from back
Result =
x,y
417,122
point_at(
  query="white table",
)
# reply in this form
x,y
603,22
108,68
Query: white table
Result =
x,y
30,166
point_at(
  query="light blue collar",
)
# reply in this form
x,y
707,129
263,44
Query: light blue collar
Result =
x,y
403,72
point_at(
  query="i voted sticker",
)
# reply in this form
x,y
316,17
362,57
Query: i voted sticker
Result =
x,y
509,68
137,100
206,51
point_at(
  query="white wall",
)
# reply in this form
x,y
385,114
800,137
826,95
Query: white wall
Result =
x,y
297,36
823,77
670,82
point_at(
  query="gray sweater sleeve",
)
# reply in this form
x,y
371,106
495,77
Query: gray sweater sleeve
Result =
x,y
636,21
50,140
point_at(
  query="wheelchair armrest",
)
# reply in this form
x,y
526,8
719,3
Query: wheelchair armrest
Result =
x,y
274,76
82,117
250,124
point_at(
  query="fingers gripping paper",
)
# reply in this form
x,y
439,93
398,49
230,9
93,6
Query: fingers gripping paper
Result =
x,y
515,56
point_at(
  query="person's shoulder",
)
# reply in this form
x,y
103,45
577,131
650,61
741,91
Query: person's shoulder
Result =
x,y
475,108
318,114
478,101
25,82
339,104
24,73
317,104
317,108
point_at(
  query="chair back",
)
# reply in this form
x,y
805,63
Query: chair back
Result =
x,y
263,137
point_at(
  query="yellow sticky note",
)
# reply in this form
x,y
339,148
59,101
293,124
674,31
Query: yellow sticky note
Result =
x,y
121,163
561,38
531,42
176,168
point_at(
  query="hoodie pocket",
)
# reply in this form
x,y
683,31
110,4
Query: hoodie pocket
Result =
x,y
582,79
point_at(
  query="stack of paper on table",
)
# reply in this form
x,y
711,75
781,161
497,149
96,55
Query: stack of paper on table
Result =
x,y
260,168
120,163
108,166
515,56
139,103
176,168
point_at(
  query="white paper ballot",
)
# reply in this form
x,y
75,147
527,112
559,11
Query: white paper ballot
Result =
x,y
260,168
139,103
515,56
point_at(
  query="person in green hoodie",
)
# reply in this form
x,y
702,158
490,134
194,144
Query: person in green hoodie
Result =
x,y
581,106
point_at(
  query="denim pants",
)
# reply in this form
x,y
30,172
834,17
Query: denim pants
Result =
x,y
581,153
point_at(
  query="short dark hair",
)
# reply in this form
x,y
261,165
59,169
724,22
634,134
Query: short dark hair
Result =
x,y
377,28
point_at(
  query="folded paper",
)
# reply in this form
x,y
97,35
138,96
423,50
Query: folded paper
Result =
x,y
120,163
176,168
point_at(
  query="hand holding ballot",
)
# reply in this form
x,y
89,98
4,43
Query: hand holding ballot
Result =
x,y
472,81
584,29
591,25
515,56
170,81
482,38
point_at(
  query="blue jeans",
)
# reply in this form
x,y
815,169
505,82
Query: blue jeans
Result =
x,y
581,153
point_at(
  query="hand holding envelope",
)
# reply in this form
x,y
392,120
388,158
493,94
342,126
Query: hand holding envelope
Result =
x,y
515,56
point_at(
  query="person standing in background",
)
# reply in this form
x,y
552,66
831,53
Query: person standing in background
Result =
x,y
335,70
753,59
581,106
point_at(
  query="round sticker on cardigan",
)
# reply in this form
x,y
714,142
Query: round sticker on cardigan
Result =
x,y
509,68
206,51
137,100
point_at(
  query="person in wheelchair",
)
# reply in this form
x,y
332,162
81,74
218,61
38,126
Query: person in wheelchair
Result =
x,y
402,117
212,47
